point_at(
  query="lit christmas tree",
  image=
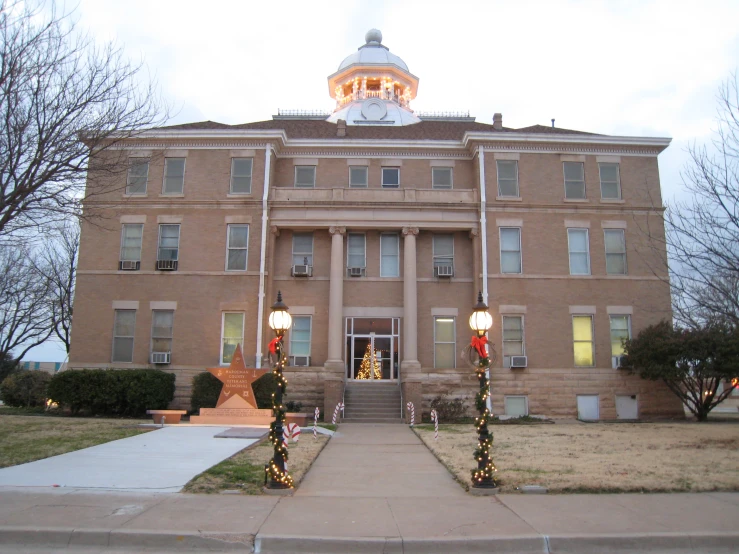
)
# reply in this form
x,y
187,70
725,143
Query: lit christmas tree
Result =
x,y
364,368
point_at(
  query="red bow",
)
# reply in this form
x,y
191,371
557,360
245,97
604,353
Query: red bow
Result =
x,y
273,345
478,343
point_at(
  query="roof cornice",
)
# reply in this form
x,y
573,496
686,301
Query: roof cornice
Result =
x,y
653,142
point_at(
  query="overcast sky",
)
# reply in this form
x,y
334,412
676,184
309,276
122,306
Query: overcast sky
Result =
x,y
623,68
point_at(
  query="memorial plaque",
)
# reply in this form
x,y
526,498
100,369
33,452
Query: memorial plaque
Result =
x,y
237,379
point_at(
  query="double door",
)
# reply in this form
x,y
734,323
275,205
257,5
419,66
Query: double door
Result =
x,y
372,349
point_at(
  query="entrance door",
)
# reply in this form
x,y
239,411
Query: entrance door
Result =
x,y
372,349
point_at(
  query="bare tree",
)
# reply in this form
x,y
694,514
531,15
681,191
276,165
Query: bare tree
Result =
x,y
62,99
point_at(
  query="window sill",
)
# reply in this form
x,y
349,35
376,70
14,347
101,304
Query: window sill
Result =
x,y
173,195
239,195
576,200
612,201
304,186
134,196
509,199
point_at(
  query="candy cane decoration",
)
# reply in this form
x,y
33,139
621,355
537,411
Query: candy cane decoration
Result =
x,y
413,412
435,419
293,430
285,435
339,406
315,422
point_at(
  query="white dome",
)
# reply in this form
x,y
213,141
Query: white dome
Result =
x,y
373,53
374,112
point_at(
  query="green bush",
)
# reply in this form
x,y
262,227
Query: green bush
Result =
x,y
25,389
448,410
205,391
263,389
125,392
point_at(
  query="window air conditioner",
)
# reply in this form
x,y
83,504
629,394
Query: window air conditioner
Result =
x,y
160,357
300,361
167,265
302,270
444,270
127,265
617,362
519,361
356,271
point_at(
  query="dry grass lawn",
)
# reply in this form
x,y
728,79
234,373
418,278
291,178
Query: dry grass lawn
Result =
x,y
28,438
244,471
599,457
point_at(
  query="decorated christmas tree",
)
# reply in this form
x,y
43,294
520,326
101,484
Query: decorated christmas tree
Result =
x,y
364,368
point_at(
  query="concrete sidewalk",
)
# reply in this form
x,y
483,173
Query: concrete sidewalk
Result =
x,y
374,489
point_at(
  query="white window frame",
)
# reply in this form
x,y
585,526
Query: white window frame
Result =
x,y
137,162
450,186
180,192
132,337
506,358
497,169
584,186
123,241
366,176
233,175
304,186
618,180
610,328
592,339
453,342
439,257
390,186
525,398
364,239
223,328
623,254
159,240
587,251
520,253
170,338
310,335
306,254
229,247
396,254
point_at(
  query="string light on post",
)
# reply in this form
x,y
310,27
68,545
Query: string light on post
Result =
x,y
480,321
276,475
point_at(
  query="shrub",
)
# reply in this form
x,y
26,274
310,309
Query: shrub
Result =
x,y
25,389
126,392
448,409
263,389
8,365
205,391
293,407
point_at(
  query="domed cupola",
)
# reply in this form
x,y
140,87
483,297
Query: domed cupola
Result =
x,y
373,87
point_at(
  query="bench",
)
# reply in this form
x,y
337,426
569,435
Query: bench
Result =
x,y
170,416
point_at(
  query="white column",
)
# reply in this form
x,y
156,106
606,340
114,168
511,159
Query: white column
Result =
x,y
410,300
336,300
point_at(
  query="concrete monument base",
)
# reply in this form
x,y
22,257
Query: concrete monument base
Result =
x,y
233,416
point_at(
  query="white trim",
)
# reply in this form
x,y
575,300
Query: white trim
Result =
x,y
620,310
223,326
310,335
159,239
366,176
584,182
451,178
442,163
511,309
577,224
125,304
610,328
500,251
502,336
151,334
169,219
391,162
181,192
587,251
618,180
364,236
624,254
509,223
357,161
452,342
123,239
483,230
449,312
231,192
162,305
305,161
497,177
397,255
582,310
572,158
512,156
228,246
295,176
243,153
132,337
263,254
608,159
382,175
237,219
129,219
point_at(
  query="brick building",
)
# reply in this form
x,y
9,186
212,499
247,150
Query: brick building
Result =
x,y
380,225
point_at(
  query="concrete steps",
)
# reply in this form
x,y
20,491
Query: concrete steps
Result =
x,y
372,403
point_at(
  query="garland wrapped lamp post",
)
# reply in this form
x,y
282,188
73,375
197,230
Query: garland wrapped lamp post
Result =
x,y
276,475
480,321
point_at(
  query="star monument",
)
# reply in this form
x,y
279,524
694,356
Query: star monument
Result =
x,y
237,379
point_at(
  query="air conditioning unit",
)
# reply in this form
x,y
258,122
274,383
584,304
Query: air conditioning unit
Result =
x,y
519,361
160,357
444,270
356,271
302,270
617,362
167,265
127,265
300,361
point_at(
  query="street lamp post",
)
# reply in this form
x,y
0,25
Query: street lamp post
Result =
x,y
276,475
480,321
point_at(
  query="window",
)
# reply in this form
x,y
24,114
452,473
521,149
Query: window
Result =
x,y
356,251
169,243
610,184
443,250
174,175
357,176
577,240
390,177
303,249
131,236
138,175
305,176
510,250
441,177
232,333
582,333
237,247
389,255
445,342
620,331
300,336
615,252
516,406
161,330
512,338
507,178
241,175
574,179
123,331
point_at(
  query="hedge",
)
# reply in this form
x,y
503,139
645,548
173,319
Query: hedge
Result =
x,y
125,392
206,388
25,389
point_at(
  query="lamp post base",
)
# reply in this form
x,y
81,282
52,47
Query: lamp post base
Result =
x,y
483,490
